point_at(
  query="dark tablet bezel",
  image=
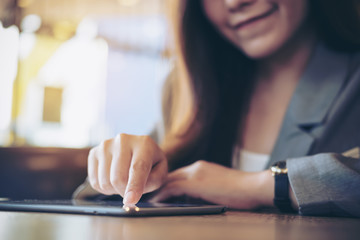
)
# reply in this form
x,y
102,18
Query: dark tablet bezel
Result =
x,y
110,208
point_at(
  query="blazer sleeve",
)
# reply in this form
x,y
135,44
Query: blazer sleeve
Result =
x,y
326,184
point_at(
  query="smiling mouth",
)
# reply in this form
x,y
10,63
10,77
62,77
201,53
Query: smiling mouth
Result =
x,y
254,19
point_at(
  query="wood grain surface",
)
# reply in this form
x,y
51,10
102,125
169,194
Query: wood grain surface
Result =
x,y
230,225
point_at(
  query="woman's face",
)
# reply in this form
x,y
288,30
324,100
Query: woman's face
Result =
x,y
258,27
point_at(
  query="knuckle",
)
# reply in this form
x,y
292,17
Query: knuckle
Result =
x,y
122,140
90,174
91,157
119,184
101,147
123,137
103,151
117,138
104,145
92,152
153,184
156,179
107,143
145,139
105,184
94,183
141,166
148,146
198,165
198,169
201,162
117,180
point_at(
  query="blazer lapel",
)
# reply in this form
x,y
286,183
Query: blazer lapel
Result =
x,y
313,97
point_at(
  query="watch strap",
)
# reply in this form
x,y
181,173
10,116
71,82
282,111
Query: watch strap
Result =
x,y
281,198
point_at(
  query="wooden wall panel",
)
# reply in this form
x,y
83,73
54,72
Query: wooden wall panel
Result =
x,y
41,173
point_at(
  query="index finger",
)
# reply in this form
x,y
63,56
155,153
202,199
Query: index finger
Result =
x,y
139,172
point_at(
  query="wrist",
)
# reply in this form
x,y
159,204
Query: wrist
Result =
x,y
264,189
251,190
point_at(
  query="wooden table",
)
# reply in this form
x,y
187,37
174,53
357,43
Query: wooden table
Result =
x,y
231,225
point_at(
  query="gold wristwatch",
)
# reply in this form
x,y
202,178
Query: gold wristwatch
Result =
x,y
281,199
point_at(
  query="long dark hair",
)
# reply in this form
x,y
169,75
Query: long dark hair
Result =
x,y
337,23
221,77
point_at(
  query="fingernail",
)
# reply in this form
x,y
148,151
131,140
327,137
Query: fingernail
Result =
x,y
129,198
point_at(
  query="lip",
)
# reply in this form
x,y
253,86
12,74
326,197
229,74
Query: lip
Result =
x,y
256,18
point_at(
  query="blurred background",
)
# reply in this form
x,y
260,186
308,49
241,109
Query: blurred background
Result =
x,y
74,72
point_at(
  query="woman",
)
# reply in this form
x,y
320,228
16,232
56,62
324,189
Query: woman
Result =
x,y
258,82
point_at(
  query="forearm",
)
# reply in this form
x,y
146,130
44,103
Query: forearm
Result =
x,y
245,190
260,188
221,185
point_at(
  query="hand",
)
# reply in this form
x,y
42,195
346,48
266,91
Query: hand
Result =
x,y
127,165
215,183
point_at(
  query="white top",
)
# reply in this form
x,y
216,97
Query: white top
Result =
x,y
249,161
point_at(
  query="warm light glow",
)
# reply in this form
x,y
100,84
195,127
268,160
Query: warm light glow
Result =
x,y
64,30
128,3
24,3
9,48
128,208
88,70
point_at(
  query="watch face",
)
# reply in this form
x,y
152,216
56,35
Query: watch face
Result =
x,y
279,168
281,164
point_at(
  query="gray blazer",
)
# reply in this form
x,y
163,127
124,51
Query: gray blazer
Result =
x,y
322,121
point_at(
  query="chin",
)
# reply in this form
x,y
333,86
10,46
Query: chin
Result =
x,y
260,50
258,54
264,46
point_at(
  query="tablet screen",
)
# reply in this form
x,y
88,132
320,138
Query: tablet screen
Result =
x,y
109,208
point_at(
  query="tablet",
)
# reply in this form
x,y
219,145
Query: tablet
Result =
x,y
109,208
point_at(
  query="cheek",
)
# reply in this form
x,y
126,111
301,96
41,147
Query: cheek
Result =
x,y
293,15
216,12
